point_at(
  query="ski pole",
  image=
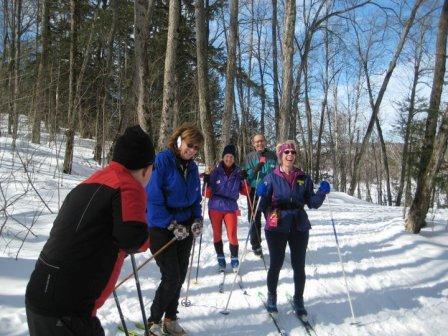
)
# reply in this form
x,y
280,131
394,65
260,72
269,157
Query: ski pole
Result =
x,y
185,302
226,310
253,215
340,260
145,262
200,239
139,292
120,312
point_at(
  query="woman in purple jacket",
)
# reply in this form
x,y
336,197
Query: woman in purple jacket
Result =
x,y
284,192
225,184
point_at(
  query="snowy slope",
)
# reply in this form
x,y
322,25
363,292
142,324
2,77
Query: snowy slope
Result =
x,y
398,282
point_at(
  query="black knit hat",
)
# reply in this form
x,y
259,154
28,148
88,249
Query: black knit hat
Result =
x,y
134,149
229,149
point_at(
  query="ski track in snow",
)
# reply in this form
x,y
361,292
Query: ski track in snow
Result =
x,y
398,282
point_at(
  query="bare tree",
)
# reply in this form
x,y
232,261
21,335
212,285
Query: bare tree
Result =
x,y
18,36
169,78
275,64
288,53
201,55
41,105
433,149
142,10
418,50
379,98
230,75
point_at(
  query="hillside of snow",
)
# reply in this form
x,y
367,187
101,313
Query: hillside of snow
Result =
x,y
398,282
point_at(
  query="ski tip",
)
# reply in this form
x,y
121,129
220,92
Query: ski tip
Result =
x,y
225,312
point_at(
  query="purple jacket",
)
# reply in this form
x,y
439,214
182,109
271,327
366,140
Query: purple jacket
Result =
x,y
287,201
225,189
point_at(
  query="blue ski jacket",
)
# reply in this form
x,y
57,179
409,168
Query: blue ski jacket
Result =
x,y
173,194
284,202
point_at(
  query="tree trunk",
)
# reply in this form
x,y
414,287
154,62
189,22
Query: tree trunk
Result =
x,y
142,11
392,65
275,65
430,162
73,68
169,77
261,70
230,75
411,111
385,161
18,35
201,55
323,108
288,54
41,106
101,127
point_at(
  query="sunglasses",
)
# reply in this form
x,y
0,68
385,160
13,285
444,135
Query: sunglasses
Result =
x,y
195,147
292,152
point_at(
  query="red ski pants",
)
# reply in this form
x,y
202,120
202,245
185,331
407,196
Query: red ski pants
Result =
x,y
230,221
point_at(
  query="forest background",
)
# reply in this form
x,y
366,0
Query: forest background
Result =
x,y
357,83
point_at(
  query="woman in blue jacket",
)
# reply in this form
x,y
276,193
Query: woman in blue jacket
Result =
x,y
225,184
174,210
284,192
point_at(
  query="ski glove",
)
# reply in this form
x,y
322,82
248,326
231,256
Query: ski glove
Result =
x,y
258,167
206,179
196,227
324,187
262,189
179,231
243,174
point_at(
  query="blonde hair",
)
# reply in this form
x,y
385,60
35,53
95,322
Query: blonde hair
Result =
x,y
284,144
188,132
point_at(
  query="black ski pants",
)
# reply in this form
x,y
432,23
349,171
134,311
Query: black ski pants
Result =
x,y
173,265
40,325
298,243
255,233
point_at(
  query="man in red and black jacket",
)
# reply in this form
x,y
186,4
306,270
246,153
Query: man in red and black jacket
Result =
x,y
101,221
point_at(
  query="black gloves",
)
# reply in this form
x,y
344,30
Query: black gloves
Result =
x,y
258,167
206,179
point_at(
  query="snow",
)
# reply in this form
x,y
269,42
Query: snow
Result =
x,y
398,282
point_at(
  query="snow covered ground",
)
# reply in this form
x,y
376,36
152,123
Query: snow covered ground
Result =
x,y
398,282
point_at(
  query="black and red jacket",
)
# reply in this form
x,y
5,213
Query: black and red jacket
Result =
x,y
101,220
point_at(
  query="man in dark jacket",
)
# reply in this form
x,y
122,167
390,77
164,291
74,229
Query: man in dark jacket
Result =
x,y
100,222
258,164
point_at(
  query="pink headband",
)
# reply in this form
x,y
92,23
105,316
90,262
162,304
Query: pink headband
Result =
x,y
284,147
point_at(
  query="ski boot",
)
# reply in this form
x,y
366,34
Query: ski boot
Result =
x,y
172,327
272,303
221,263
299,308
234,262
